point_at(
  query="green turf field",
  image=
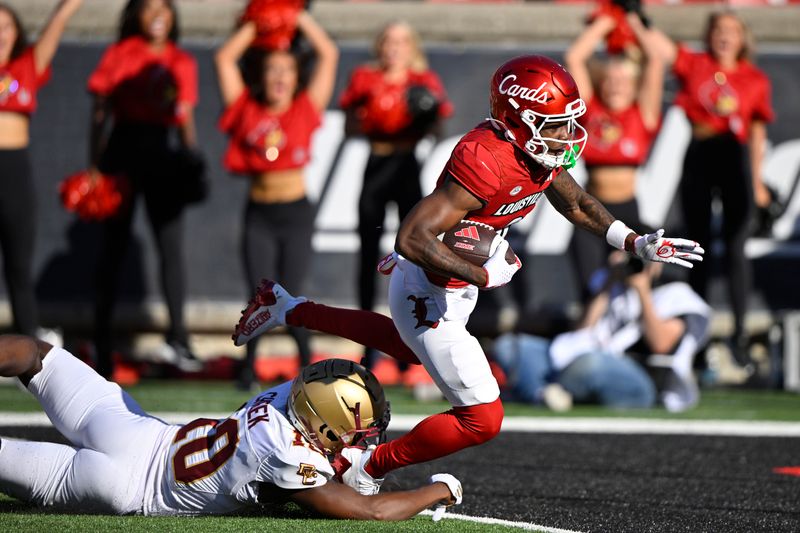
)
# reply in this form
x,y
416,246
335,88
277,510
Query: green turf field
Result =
x,y
210,396
19,518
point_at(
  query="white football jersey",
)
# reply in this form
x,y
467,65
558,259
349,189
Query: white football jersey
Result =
x,y
215,466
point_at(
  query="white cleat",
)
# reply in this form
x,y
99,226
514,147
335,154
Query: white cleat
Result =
x,y
265,311
355,476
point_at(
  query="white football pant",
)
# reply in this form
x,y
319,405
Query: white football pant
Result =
x,y
113,440
453,357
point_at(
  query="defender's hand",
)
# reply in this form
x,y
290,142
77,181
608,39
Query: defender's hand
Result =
x,y
498,270
656,247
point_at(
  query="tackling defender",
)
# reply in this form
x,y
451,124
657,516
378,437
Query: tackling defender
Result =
x,y
276,447
495,176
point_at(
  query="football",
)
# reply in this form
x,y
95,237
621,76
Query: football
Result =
x,y
474,242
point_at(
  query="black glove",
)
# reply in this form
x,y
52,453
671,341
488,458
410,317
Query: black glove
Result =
x,y
423,106
634,6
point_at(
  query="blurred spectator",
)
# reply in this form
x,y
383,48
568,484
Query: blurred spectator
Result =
x,y
622,118
24,69
145,86
665,326
270,124
727,99
394,102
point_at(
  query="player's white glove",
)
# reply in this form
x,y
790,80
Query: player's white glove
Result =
x,y
453,485
656,247
498,270
387,264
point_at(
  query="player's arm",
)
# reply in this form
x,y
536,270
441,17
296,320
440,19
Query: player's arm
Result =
x,y
585,211
335,500
436,213
577,205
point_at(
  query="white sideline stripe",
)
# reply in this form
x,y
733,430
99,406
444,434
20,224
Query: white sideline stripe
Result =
x,y
624,426
632,426
528,526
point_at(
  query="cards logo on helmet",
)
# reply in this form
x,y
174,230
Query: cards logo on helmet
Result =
x,y
538,95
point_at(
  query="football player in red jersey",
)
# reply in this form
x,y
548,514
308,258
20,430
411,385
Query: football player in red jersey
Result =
x,y
495,175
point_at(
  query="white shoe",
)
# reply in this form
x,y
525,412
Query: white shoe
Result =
x,y
557,398
265,311
355,476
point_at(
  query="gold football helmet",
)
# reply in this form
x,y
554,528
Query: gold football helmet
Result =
x,y
337,403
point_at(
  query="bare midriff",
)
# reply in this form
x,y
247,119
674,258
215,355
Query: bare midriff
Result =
x,y
278,186
612,184
13,130
392,147
702,131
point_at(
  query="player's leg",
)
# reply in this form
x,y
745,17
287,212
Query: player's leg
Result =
x,y
273,306
55,475
21,356
88,410
294,260
457,364
364,327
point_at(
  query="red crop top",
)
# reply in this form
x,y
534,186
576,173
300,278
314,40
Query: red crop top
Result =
x,y
725,100
19,83
145,86
615,137
262,141
382,108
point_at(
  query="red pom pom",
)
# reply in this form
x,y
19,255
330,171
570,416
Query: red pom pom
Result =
x,y
275,20
621,37
94,199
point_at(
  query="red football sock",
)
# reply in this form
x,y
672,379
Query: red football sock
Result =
x,y
364,327
437,436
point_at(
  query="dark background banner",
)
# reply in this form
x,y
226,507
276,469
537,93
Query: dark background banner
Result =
x,y
66,249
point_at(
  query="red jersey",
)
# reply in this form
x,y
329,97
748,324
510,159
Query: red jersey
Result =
x,y
382,108
145,86
263,141
19,83
507,181
725,100
615,137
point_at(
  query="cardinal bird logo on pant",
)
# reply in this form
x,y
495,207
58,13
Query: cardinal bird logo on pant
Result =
x,y
421,313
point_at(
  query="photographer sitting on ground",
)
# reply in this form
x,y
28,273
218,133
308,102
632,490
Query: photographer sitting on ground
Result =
x,y
594,363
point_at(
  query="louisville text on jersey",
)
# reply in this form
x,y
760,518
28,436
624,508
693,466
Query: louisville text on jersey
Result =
x,y
519,205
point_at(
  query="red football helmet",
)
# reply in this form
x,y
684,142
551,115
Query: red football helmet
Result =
x,y
529,92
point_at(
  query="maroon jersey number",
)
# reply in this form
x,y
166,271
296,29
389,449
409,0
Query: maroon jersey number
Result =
x,y
207,451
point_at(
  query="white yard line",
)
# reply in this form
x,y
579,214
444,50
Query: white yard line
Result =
x,y
625,426
528,526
